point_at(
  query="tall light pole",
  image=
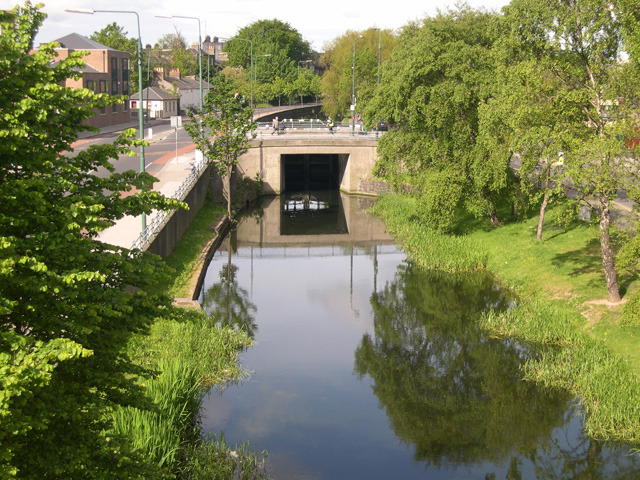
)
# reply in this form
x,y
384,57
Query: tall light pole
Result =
x,y
299,62
379,52
199,52
353,84
250,62
140,109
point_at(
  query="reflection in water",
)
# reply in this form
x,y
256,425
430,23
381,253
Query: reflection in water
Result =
x,y
228,302
365,367
456,397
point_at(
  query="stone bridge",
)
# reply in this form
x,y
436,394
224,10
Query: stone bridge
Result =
x,y
312,160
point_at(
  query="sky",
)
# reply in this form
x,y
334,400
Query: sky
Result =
x,y
318,22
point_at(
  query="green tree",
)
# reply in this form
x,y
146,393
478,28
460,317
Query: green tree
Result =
x,y
337,62
68,303
115,36
440,76
579,44
277,47
225,131
268,36
179,55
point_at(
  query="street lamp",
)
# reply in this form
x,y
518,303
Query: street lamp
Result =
x,y
250,62
379,50
353,84
148,51
140,109
299,62
199,53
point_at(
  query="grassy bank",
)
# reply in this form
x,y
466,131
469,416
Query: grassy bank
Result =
x,y
563,305
184,256
182,356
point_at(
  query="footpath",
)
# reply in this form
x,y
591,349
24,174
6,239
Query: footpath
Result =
x,y
172,173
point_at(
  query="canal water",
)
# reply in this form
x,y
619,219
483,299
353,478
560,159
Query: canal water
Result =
x,y
364,367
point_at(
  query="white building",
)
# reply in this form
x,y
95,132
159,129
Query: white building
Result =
x,y
155,102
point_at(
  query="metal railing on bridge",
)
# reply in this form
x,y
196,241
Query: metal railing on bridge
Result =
x,y
307,129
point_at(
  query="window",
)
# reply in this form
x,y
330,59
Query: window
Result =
x,y
91,85
103,89
115,76
125,76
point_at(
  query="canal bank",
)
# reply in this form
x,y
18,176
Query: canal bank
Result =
x,y
557,281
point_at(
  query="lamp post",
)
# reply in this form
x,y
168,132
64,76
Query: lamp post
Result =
x,y
250,63
353,84
140,109
149,72
299,62
379,52
256,70
199,52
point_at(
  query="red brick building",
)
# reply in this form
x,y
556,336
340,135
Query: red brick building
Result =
x,y
106,71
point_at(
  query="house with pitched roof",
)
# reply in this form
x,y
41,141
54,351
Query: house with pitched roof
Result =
x,y
107,71
186,88
155,102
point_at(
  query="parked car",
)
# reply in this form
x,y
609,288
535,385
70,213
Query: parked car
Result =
x,y
382,126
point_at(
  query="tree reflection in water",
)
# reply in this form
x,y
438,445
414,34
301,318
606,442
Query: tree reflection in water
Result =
x,y
228,303
456,396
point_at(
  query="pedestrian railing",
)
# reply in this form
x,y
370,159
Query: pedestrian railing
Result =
x,y
160,218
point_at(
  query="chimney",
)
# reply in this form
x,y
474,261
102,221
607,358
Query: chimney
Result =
x,y
159,73
174,72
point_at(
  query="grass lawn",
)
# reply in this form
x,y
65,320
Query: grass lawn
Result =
x,y
566,266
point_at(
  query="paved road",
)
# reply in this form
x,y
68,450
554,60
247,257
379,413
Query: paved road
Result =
x,y
162,147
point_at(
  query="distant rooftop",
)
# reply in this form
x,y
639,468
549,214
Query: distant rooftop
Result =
x,y
153,93
75,41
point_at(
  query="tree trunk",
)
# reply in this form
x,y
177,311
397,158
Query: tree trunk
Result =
x,y
543,207
493,216
227,191
607,255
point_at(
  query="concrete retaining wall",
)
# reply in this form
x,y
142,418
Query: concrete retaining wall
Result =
x,y
179,221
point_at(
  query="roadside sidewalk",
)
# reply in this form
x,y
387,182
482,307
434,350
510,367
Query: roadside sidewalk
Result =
x,y
171,177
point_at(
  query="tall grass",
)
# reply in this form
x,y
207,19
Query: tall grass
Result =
x,y
183,355
160,431
213,458
607,389
426,247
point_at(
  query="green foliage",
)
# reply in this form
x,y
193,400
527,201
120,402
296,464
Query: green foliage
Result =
x,y
277,49
434,92
225,129
180,56
337,79
114,36
631,311
425,246
182,356
214,459
608,391
68,304
267,37
588,100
